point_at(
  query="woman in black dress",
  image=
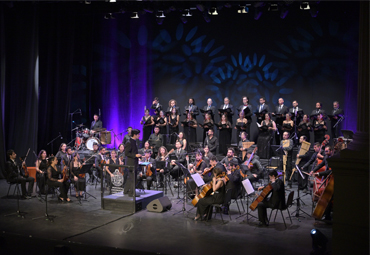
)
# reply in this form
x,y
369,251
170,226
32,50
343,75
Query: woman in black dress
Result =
x,y
305,127
182,140
190,128
173,123
54,181
41,167
148,123
288,124
78,178
218,186
319,129
207,125
162,153
267,129
224,136
240,125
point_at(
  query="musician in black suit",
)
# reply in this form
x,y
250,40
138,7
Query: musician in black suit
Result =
x,y
302,183
143,174
226,106
132,156
17,175
96,123
210,108
254,170
211,141
261,110
296,112
233,186
280,111
180,154
315,113
248,113
98,159
156,140
67,158
192,108
328,154
276,201
156,106
336,114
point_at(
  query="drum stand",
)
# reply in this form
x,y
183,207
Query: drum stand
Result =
x,y
18,212
72,113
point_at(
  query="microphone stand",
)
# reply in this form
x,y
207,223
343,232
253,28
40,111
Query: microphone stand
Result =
x,y
72,113
52,141
114,140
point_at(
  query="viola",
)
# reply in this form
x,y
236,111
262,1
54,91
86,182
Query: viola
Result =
x,y
207,171
149,171
82,175
64,172
24,167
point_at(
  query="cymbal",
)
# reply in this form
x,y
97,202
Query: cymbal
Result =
x,y
80,125
100,129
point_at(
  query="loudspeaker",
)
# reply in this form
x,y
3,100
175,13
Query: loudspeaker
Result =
x,y
159,205
275,162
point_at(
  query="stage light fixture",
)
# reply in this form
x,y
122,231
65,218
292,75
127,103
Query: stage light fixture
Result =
x,y
187,13
273,7
319,242
213,11
160,21
243,9
305,6
160,14
87,2
134,15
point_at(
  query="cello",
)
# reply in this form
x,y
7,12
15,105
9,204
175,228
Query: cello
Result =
x,y
324,199
318,186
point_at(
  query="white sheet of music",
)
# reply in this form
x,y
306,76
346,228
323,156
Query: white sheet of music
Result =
x,y
248,186
198,179
259,125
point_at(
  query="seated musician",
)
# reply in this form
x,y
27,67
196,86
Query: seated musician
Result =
x,y
157,140
151,175
162,156
98,159
110,170
233,186
180,154
207,173
276,201
243,139
315,155
145,148
229,156
287,146
218,187
206,154
211,141
16,175
302,183
96,124
182,140
92,169
196,167
254,170
127,137
54,181
78,179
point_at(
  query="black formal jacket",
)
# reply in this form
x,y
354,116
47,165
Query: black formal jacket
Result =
x,y
194,109
130,151
264,108
177,109
212,144
212,109
336,113
157,108
256,169
248,116
96,125
284,110
315,113
277,199
324,162
11,170
181,157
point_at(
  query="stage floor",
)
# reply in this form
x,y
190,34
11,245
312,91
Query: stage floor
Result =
x,y
87,228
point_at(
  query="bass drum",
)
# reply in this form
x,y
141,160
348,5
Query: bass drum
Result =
x,y
90,143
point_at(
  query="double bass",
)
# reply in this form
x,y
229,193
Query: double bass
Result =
x,y
318,187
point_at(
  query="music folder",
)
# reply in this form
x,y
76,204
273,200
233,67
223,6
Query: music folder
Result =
x,y
248,186
198,179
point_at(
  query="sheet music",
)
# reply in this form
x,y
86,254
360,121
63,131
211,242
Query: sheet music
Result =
x,y
248,186
198,179
259,125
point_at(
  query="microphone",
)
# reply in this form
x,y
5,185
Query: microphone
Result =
x,y
80,112
61,137
99,112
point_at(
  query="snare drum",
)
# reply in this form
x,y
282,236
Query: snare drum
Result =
x,y
86,133
90,143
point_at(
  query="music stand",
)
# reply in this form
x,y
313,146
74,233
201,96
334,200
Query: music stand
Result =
x,y
250,190
162,165
84,169
186,173
298,208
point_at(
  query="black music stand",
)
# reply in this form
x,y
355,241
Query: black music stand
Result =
x,y
18,212
184,198
298,208
162,165
84,169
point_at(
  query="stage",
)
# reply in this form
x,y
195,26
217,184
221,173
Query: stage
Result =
x,y
87,228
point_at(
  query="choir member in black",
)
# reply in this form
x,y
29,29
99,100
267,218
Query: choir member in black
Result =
x,y
180,154
171,105
280,113
254,170
240,125
210,109
218,187
196,167
190,130
207,154
149,176
183,141
54,181
77,177
156,106
41,167
15,174
224,127
110,170
96,124
276,201
247,113
132,155
156,140
267,129
319,129
233,186
211,141
316,155
336,114
261,110
243,139
296,112
287,146
127,137
162,156
161,122
207,125
302,183
148,122
61,153
315,113
192,108
173,123
230,109
304,128
288,124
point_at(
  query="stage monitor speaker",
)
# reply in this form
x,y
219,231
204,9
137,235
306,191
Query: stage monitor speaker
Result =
x,y
275,162
159,205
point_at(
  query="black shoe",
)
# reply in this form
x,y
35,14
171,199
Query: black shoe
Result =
x,y
175,186
225,210
262,224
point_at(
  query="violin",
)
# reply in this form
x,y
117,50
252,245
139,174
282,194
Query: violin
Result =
x,y
207,171
64,172
82,175
24,167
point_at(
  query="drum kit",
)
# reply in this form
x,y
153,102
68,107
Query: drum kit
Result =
x,y
85,138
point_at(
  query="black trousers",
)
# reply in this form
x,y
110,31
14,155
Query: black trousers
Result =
x,y
23,180
63,187
288,170
41,181
130,183
262,211
149,181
